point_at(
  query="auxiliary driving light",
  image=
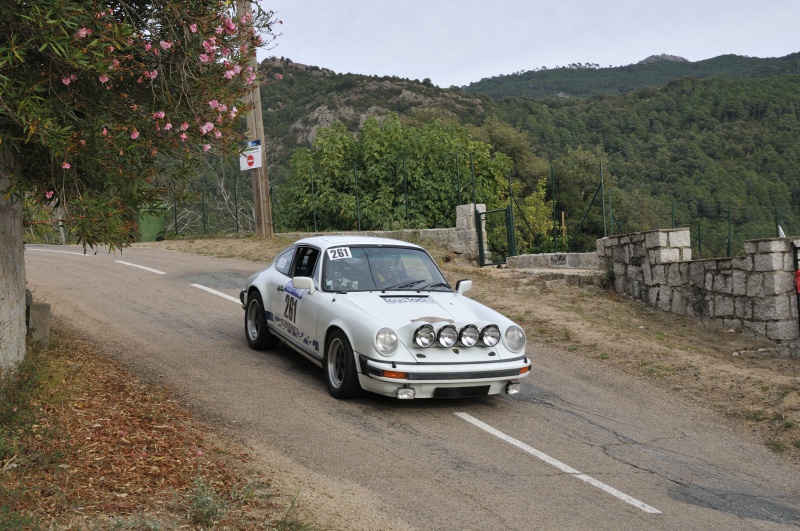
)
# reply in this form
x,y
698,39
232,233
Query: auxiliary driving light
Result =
x,y
447,336
406,393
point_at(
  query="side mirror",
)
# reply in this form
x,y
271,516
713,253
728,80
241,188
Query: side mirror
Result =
x,y
463,286
303,283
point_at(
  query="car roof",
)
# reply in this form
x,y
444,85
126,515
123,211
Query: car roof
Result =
x,y
336,240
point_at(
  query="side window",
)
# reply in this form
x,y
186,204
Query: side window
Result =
x,y
305,262
284,261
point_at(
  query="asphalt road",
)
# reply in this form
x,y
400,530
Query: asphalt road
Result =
x,y
580,447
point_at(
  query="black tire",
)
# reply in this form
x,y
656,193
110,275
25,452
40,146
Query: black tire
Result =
x,y
255,324
339,365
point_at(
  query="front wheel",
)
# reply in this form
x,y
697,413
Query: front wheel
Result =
x,y
341,376
255,324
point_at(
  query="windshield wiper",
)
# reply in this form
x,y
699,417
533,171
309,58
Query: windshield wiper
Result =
x,y
436,285
403,285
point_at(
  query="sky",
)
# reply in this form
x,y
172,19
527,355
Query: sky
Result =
x,y
456,42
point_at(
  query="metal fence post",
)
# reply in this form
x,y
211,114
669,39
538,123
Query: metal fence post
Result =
x,y
358,205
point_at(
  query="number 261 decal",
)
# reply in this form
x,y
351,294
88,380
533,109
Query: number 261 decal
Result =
x,y
339,253
290,311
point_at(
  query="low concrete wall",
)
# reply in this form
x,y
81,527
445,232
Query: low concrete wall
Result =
x,y
754,294
462,239
555,260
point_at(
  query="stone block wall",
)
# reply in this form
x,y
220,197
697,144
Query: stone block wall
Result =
x,y
554,260
754,294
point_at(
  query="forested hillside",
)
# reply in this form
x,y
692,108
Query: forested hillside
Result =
x,y
584,80
721,155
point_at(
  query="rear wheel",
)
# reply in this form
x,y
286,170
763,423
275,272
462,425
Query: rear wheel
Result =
x,y
341,376
255,324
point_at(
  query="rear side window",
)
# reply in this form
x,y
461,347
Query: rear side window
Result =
x,y
284,261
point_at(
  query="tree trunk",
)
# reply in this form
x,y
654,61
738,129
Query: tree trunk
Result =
x,y
12,272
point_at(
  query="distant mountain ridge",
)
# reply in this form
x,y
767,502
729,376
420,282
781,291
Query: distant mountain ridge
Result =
x,y
583,81
662,57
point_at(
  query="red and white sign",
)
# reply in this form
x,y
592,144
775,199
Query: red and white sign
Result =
x,y
250,157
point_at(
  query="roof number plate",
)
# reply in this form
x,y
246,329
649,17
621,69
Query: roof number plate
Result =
x,y
339,253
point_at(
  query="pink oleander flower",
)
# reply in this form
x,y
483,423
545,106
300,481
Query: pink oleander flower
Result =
x,y
104,132
134,135
193,27
65,165
103,78
147,46
184,126
183,137
206,147
205,58
233,113
165,45
66,80
213,104
217,133
278,76
83,33
158,115
222,107
225,51
48,195
219,30
206,128
168,126
250,78
229,74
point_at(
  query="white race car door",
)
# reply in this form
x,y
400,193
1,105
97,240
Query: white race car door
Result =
x,y
295,310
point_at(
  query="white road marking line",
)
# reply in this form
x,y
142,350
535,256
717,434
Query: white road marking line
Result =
x,y
51,251
156,271
218,293
558,464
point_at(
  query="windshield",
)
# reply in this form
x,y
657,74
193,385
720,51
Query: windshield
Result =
x,y
380,269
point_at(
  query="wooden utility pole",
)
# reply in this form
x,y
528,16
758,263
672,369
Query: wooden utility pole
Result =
x,y
262,209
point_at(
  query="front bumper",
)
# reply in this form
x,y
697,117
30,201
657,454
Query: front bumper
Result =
x,y
441,379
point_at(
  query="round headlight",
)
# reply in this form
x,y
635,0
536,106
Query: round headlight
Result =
x,y
469,336
386,341
424,336
447,336
515,338
490,335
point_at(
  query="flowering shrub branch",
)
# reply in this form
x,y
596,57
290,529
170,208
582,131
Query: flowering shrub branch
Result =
x,y
103,102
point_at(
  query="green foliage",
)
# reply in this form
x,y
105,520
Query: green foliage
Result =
x,y
105,106
395,175
685,149
207,507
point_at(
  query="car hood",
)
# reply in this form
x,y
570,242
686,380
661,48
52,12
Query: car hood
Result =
x,y
405,312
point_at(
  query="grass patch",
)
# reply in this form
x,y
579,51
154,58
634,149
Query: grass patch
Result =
x,y
776,445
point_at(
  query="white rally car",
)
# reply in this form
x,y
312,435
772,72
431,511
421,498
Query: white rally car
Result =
x,y
376,314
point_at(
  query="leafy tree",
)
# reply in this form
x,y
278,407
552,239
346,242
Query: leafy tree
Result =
x,y
105,104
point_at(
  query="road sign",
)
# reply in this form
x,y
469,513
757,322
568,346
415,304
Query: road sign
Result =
x,y
251,156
